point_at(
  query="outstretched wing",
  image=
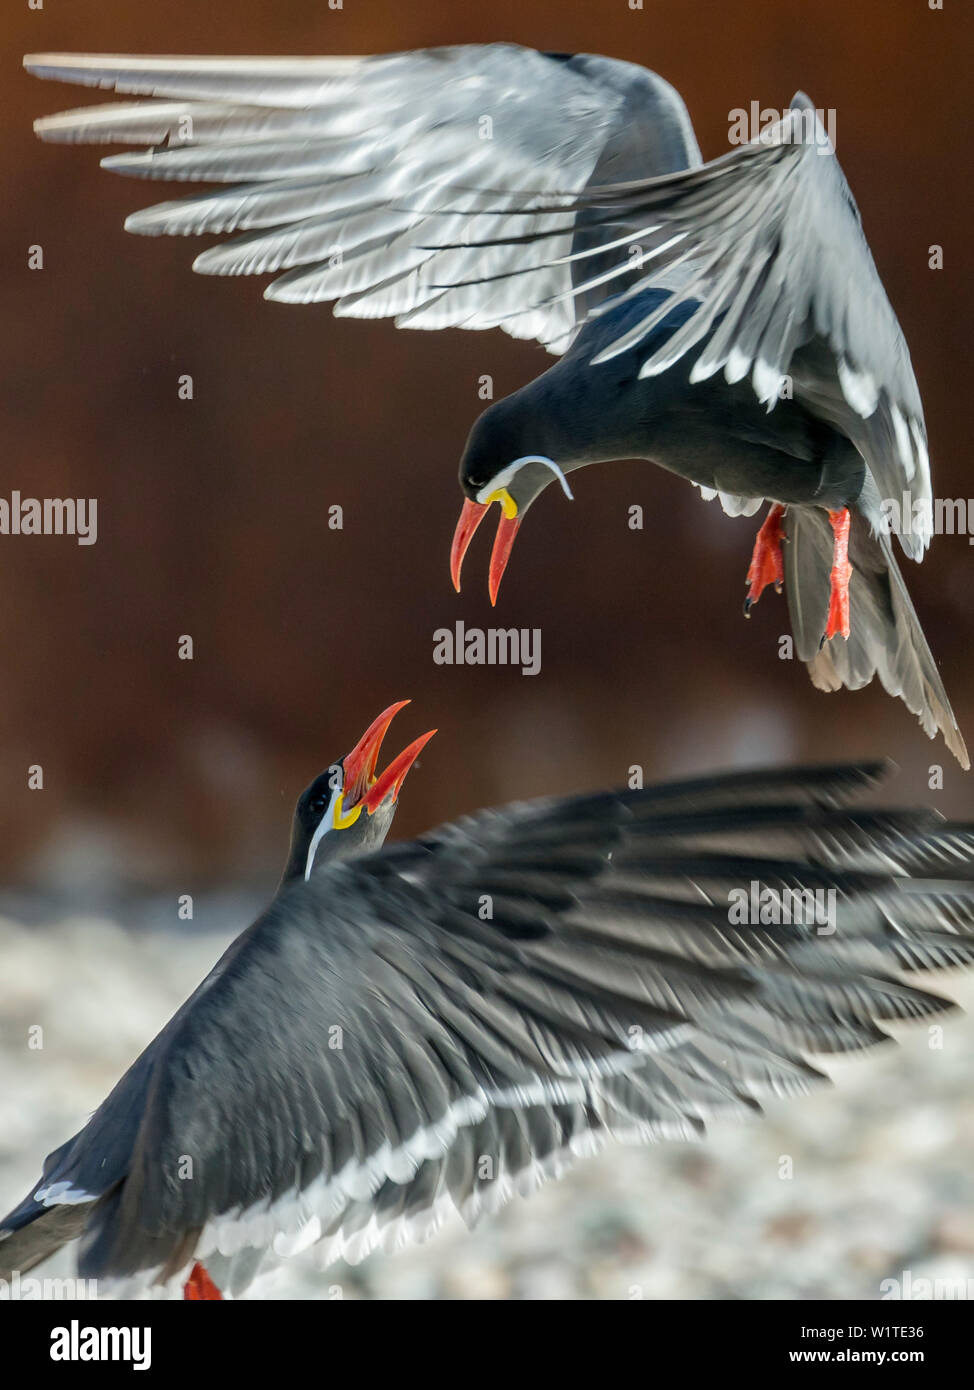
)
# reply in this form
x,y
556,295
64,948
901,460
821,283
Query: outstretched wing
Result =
x,y
777,266
485,186
364,178
451,1020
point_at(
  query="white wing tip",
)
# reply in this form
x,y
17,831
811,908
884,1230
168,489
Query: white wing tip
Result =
x,y
859,388
50,128
287,291
157,221
767,382
83,125
737,366
62,1194
704,367
57,65
37,62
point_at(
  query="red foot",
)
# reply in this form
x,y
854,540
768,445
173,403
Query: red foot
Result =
x,y
766,565
840,576
200,1286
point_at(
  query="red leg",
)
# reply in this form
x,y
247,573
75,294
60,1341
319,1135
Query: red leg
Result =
x,y
766,565
839,578
200,1286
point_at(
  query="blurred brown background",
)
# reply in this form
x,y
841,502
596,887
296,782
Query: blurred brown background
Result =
x,y
213,514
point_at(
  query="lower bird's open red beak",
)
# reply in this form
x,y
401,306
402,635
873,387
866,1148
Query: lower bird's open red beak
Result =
x,y
471,515
361,783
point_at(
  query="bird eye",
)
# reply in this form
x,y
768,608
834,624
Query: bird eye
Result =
x,y
318,806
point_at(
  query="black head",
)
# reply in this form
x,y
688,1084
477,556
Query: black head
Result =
x,y
507,449
496,467
348,809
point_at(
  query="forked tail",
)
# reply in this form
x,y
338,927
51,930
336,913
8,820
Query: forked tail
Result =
x,y
886,639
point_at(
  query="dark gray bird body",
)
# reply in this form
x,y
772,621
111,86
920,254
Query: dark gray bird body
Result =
x,y
716,435
341,1075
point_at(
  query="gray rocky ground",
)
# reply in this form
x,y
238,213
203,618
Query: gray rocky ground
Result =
x,y
882,1181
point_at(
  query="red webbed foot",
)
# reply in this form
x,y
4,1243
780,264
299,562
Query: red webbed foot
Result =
x,y
839,577
767,565
200,1286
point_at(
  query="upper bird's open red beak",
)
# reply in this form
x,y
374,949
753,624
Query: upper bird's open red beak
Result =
x,y
361,783
471,515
